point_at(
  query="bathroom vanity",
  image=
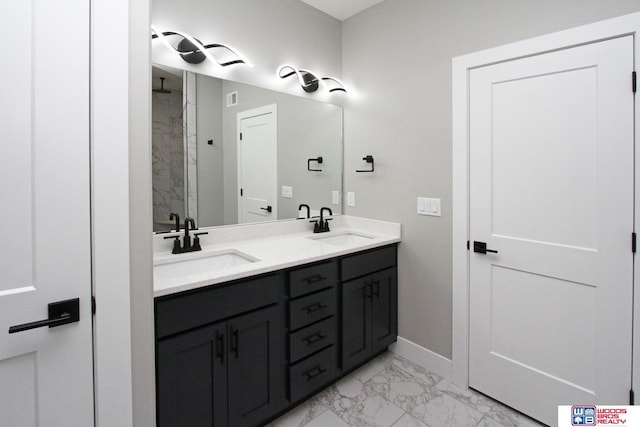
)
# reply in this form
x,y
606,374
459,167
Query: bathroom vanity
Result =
x,y
244,343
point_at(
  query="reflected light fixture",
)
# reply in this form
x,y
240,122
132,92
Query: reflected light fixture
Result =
x,y
193,51
309,81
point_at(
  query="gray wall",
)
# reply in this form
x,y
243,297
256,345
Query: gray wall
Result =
x,y
397,58
210,157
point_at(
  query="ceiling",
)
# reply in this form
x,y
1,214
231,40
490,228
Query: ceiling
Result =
x,y
341,9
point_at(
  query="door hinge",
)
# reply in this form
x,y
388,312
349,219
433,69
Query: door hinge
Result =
x,y
241,192
468,245
632,397
241,134
93,305
633,242
633,81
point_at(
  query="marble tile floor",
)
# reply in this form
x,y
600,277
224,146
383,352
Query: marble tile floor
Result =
x,y
390,391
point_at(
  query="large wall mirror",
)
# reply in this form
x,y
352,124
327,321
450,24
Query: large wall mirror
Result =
x,y
289,153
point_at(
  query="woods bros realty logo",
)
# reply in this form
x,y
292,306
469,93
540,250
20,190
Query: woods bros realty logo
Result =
x,y
592,415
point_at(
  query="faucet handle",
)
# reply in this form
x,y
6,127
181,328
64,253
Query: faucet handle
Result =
x,y
177,249
195,246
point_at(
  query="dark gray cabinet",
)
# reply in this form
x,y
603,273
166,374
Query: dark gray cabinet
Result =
x,y
369,305
240,353
225,373
312,327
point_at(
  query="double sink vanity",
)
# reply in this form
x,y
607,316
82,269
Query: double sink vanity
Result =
x,y
266,315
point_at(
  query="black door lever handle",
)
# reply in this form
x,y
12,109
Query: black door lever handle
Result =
x,y
268,208
481,248
60,313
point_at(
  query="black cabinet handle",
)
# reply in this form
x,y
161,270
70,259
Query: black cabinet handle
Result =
x,y
314,372
481,248
60,313
220,347
236,344
314,338
314,307
375,293
314,279
369,290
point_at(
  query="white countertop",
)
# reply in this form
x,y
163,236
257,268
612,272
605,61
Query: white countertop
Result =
x,y
276,246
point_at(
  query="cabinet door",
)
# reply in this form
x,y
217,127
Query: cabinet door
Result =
x,y
384,309
256,366
192,378
356,334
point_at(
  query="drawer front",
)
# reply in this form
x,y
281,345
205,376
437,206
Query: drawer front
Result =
x,y
309,309
312,373
181,312
311,339
367,262
305,280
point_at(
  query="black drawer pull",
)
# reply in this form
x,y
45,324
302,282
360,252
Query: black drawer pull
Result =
x,y
220,347
376,293
314,307
314,338
314,279
314,372
235,346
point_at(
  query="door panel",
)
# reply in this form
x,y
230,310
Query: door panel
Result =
x,y
257,164
45,220
192,378
255,364
551,190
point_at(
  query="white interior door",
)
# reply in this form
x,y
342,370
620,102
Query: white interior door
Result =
x,y
46,374
258,164
551,190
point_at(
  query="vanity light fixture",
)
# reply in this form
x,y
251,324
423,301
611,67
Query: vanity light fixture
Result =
x,y
193,51
309,81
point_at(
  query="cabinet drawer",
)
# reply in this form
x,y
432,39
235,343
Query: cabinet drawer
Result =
x,y
181,312
313,278
367,262
312,373
311,339
312,308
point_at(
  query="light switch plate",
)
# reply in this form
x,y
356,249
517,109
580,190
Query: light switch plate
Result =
x,y
428,206
287,192
335,197
351,198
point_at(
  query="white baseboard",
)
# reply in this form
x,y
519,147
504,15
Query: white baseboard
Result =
x,y
429,360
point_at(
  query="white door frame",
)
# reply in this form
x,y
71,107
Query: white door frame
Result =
x,y
461,67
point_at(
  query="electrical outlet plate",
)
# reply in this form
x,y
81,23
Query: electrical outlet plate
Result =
x,y
287,192
351,198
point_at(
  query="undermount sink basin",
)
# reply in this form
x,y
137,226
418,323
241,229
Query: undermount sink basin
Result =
x,y
200,263
339,239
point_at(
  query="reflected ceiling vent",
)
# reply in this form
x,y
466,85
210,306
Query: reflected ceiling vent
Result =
x,y
309,81
232,99
193,51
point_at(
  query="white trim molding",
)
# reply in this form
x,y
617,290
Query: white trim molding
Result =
x,y
426,358
461,66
